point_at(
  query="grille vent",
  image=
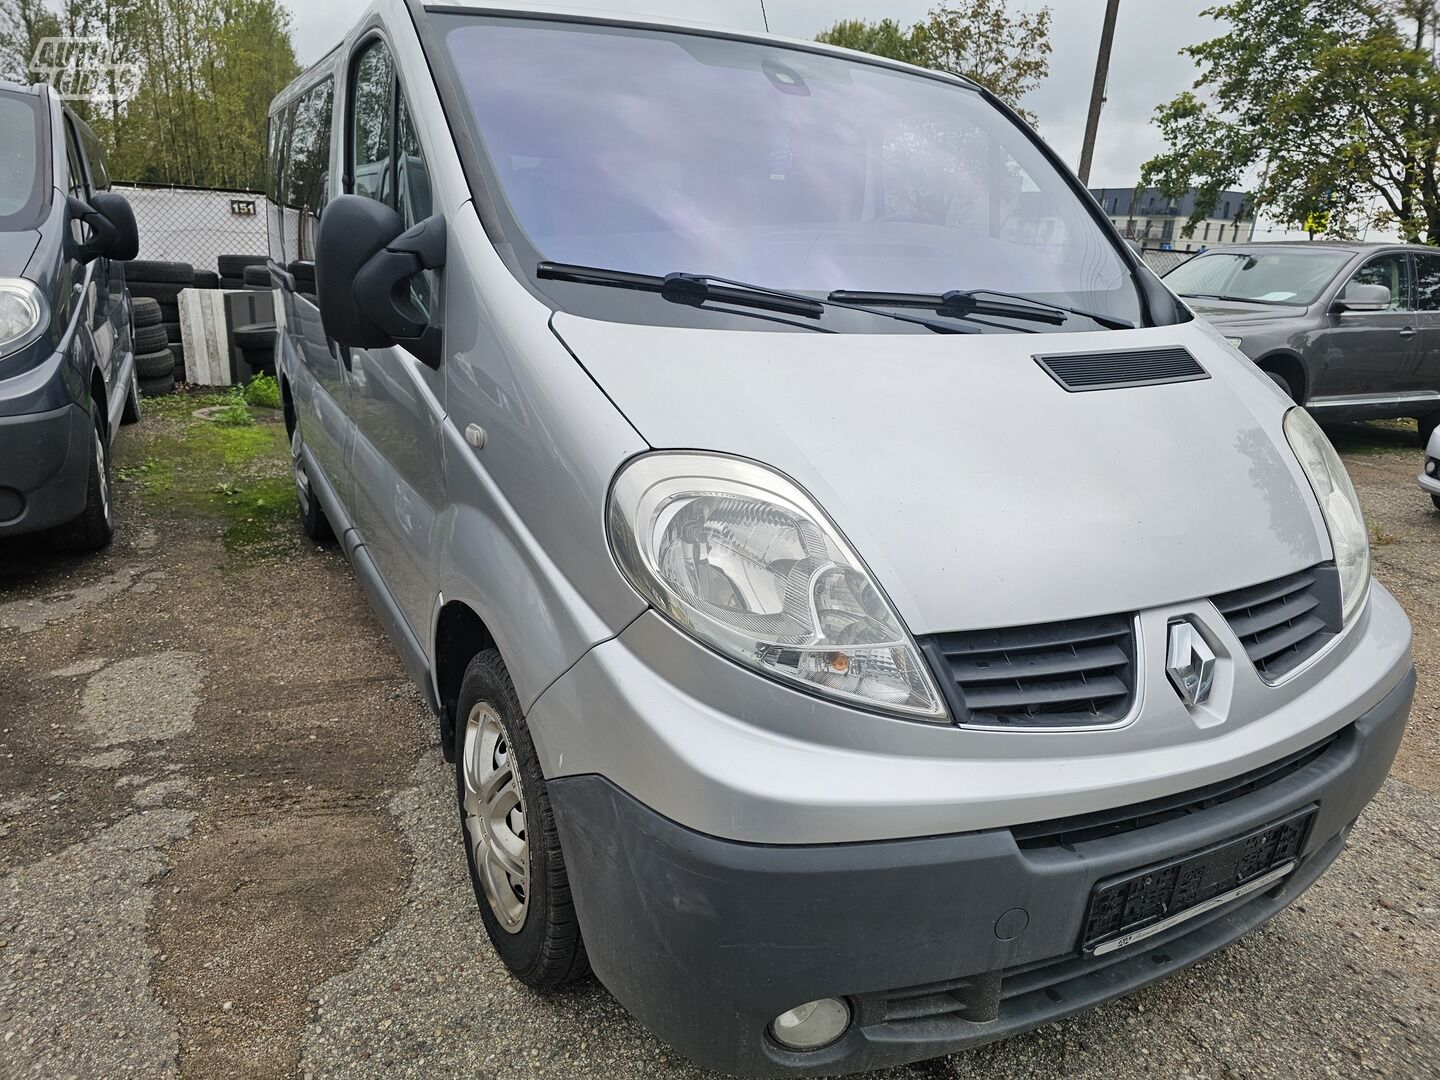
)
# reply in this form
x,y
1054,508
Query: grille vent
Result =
x,y
1060,675
1283,623
1080,372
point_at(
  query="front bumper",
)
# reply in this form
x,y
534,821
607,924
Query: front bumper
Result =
x,y
44,468
939,943
1430,484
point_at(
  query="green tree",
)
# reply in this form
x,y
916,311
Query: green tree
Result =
x,y
1334,104
1008,54
22,24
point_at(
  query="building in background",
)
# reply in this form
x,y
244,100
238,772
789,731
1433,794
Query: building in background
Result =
x,y
1156,221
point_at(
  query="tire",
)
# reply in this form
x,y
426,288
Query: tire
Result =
x,y
158,387
248,338
1284,385
1436,500
150,338
533,928
171,273
207,279
164,292
313,522
154,365
233,266
132,412
257,277
231,283
92,530
1427,426
144,311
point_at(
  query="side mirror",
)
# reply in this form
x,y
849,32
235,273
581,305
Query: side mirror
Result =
x,y
364,260
111,221
1364,298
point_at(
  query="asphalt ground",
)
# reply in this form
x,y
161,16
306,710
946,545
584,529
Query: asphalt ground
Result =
x,y
228,845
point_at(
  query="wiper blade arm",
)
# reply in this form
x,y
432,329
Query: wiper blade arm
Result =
x,y
962,304
688,289
695,290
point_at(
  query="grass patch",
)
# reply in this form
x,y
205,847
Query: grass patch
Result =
x,y
228,471
263,392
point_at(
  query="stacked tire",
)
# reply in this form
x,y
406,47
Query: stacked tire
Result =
x,y
154,362
163,282
232,269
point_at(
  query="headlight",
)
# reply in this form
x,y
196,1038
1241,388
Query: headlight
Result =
x,y
23,314
745,561
1339,505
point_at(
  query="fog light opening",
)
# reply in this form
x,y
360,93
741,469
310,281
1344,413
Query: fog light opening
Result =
x,y
811,1026
1431,466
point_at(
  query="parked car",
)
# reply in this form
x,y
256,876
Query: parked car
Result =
x,y
67,363
1350,331
1429,478
676,404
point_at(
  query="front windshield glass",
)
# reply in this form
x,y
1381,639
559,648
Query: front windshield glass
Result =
x,y
20,147
657,152
1283,276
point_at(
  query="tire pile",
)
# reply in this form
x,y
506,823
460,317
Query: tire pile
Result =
x,y
155,289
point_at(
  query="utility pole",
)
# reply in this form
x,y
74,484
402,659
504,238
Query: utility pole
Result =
x,y
1097,92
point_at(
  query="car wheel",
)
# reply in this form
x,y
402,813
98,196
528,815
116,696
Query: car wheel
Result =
x,y
511,845
131,415
313,521
1283,383
93,529
1436,500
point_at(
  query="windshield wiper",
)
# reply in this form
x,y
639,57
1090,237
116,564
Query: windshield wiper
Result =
x,y
696,290
965,304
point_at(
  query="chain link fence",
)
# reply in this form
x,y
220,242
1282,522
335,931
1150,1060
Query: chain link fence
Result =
x,y
197,225
1162,262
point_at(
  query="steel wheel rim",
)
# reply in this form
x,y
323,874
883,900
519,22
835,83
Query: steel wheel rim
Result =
x,y
104,479
302,478
494,811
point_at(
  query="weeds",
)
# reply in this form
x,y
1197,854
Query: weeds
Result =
x,y
263,392
234,412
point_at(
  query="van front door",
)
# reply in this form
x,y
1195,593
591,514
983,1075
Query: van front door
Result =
x,y
396,402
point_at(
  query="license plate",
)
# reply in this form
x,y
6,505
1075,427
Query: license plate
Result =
x,y
1137,906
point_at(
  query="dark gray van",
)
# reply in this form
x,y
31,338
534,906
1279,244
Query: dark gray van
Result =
x,y
67,361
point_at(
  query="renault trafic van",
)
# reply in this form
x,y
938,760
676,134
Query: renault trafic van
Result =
x,y
868,613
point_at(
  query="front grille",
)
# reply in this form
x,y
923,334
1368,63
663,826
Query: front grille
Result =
x,y
1283,623
1079,828
1079,372
1070,674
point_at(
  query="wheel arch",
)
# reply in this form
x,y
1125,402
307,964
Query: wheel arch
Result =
x,y
1289,367
460,635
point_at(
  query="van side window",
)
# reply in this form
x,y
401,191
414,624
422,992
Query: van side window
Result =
x,y
385,162
94,159
72,155
307,170
370,112
275,181
1427,282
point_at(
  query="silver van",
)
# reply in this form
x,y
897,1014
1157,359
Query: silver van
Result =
x,y
869,614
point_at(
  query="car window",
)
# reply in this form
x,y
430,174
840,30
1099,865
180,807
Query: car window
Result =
x,y
307,168
1282,276
22,143
275,181
1391,270
412,187
1427,282
99,172
72,155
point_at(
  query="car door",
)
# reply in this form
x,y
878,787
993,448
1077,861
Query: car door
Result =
x,y
109,276
1427,320
396,402
322,400
92,282
1372,353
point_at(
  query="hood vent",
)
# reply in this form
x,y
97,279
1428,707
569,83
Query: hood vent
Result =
x,y
1080,372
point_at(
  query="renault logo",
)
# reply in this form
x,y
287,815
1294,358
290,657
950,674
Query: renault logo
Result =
x,y
1190,663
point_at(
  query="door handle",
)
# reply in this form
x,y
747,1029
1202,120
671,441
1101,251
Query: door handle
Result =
x,y
1408,331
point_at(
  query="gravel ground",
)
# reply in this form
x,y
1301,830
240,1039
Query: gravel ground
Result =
x,y
227,844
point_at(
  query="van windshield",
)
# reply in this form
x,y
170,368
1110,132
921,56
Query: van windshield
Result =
x,y
1282,276
657,152
21,145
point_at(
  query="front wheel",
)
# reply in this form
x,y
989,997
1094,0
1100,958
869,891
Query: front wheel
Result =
x,y
1436,500
1427,426
95,526
511,845
313,521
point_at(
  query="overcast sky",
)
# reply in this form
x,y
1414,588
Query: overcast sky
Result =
x,y
1146,69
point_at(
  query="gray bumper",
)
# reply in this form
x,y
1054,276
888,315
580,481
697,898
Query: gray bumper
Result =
x,y
44,468
706,940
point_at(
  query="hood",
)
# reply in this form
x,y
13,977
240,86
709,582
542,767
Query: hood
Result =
x,y
1242,313
980,492
16,247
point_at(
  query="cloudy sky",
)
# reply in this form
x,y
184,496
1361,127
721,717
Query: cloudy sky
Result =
x,y
1145,71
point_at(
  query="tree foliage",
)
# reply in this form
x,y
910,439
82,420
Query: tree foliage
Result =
x,y
1334,103
207,71
1008,54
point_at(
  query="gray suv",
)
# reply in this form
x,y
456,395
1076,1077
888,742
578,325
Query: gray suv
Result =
x,y
664,387
1350,331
